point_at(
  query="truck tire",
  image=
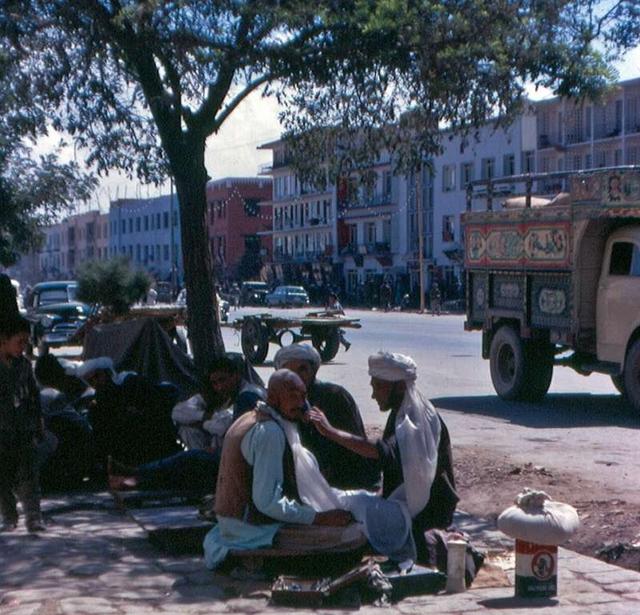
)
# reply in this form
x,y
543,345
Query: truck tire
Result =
x,y
539,370
618,382
632,376
507,360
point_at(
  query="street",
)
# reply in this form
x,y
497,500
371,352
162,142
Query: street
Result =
x,y
582,427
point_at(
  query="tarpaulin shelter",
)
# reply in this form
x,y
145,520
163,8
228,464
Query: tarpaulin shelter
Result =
x,y
143,346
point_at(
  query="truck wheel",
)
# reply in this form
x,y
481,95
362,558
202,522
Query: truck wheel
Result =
x,y
618,382
327,343
632,376
507,362
538,370
254,340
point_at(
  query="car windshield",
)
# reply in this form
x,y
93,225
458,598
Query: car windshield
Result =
x,y
57,295
255,285
294,290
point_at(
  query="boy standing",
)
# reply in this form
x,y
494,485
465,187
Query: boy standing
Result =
x,y
20,427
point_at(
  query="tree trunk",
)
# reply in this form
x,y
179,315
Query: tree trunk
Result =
x,y
202,308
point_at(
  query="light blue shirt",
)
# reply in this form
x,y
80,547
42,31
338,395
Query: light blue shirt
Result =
x,y
263,448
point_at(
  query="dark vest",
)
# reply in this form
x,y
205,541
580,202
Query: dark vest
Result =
x,y
235,475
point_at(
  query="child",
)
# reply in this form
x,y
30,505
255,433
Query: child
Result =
x,y
20,427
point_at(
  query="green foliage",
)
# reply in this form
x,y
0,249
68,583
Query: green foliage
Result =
x,y
34,190
112,284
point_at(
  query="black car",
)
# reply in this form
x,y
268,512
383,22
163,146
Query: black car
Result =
x,y
55,314
253,293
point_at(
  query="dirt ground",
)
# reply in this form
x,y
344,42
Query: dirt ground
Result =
x,y
609,530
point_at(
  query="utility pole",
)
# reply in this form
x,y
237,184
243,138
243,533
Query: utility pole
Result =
x,y
419,206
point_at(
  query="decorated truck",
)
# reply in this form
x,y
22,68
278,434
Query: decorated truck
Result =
x,y
556,280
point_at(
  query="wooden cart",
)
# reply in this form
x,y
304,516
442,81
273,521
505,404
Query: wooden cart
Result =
x,y
323,329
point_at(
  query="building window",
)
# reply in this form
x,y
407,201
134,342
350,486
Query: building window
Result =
x,y
165,219
448,177
131,225
124,226
251,208
386,184
488,168
138,225
370,233
466,174
508,165
146,223
448,230
165,251
528,162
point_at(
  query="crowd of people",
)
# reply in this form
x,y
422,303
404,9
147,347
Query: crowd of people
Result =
x,y
293,453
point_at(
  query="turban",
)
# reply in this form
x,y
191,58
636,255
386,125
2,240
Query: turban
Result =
x,y
93,365
392,366
297,352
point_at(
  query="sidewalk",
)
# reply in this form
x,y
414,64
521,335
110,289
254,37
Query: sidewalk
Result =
x,y
94,560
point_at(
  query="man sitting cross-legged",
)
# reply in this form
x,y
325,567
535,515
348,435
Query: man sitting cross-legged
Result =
x,y
257,490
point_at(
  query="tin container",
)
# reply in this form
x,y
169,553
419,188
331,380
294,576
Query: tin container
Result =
x,y
536,570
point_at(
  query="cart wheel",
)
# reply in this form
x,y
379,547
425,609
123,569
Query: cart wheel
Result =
x,y
326,342
254,340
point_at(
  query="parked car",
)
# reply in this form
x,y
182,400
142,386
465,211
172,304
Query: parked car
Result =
x,y
55,314
19,299
253,293
223,305
288,296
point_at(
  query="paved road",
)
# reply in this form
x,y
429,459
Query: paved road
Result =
x,y
582,426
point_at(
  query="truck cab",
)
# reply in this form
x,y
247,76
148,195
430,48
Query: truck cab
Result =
x,y
618,297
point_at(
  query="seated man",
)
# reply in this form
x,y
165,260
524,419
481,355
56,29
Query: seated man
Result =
x,y
196,469
257,487
62,403
414,455
230,389
342,468
130,416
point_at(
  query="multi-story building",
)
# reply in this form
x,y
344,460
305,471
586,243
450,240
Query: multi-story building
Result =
x,y
147,231
304,232
583,135
370,230
237,224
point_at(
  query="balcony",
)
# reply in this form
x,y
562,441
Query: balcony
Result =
x,y
363,201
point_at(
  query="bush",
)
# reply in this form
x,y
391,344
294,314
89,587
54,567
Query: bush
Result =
x,y
112,284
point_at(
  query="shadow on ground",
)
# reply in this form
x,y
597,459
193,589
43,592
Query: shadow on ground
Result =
x,y
556,410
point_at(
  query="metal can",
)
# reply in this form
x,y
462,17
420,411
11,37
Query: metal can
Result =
x,y
536,570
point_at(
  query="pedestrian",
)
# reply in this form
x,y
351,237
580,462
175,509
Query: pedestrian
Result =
x,y
21,428
235,296
435,299
385,296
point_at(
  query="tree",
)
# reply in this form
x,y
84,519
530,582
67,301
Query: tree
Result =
x,y
142,84
32,190
112,284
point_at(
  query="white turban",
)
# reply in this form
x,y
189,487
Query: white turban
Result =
x,y
297,352
93,365
392,366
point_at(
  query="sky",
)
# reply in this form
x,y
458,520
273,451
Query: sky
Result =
x,y
233,151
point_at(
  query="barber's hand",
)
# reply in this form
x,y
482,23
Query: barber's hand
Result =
x,y
335,518
319,421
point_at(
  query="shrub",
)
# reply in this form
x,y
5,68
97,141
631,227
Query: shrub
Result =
x,y
112,284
